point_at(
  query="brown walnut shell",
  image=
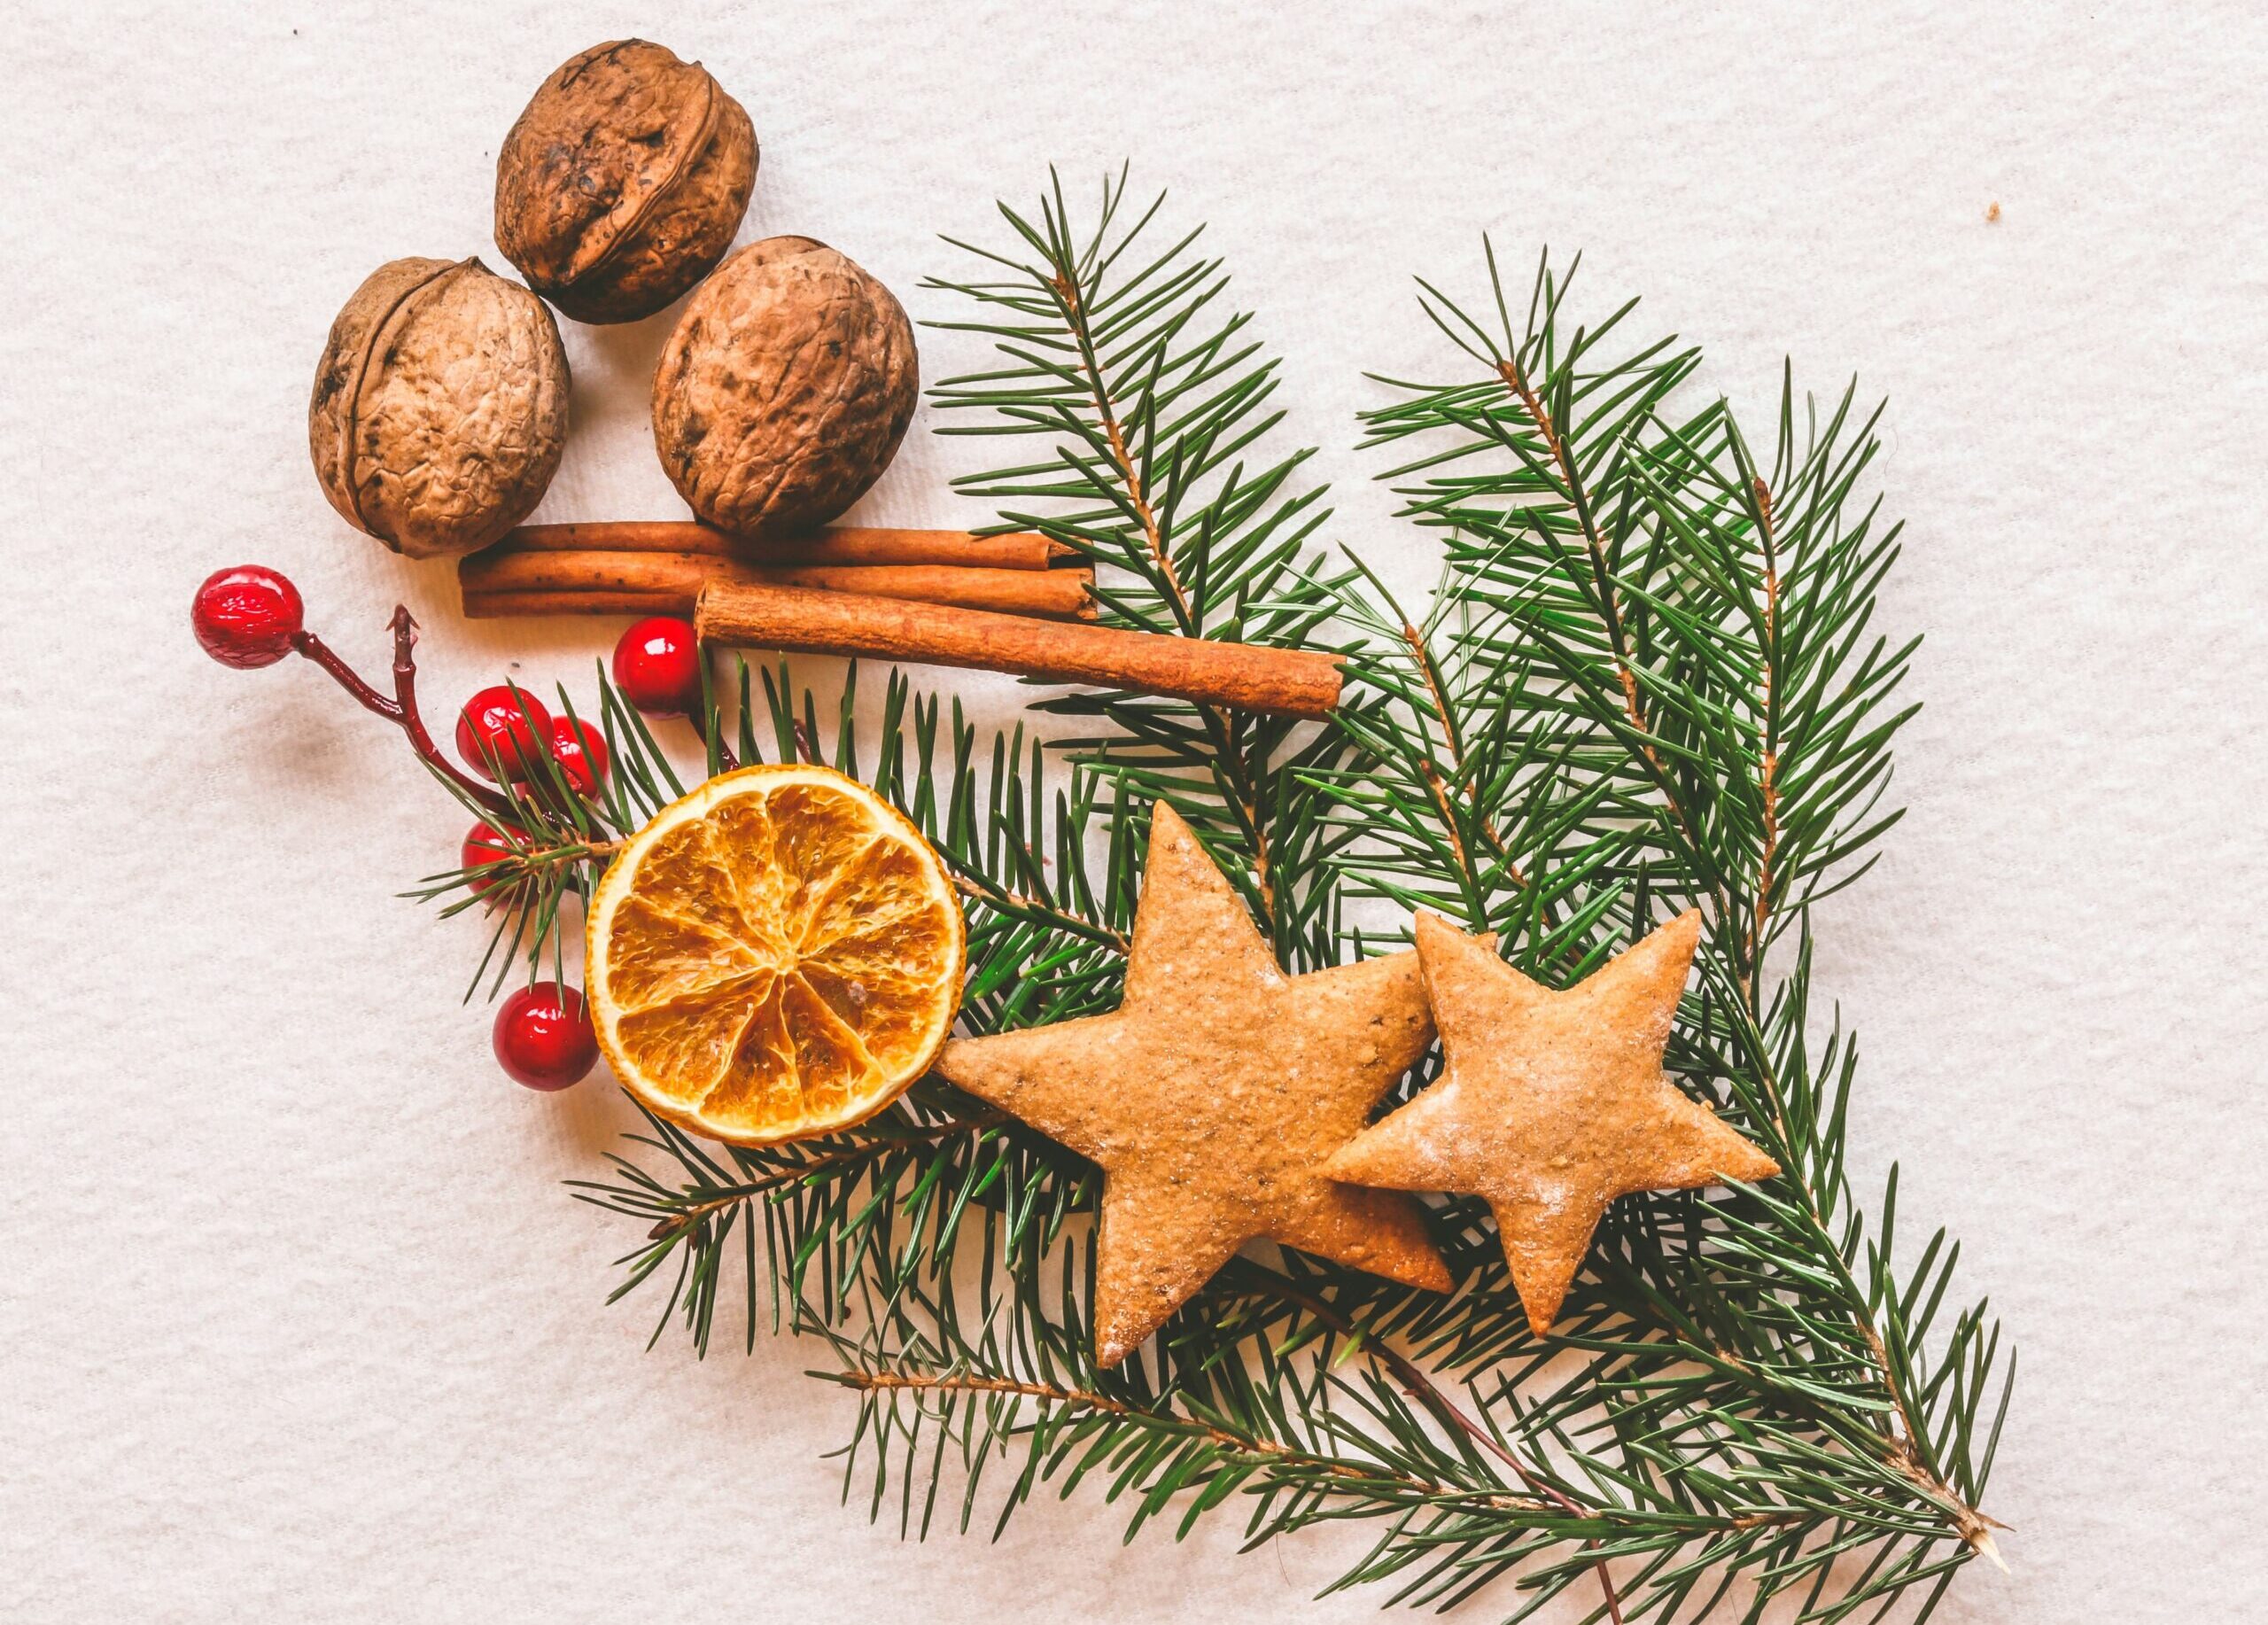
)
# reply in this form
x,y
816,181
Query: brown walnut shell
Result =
x,y
623,182
441,407
785,389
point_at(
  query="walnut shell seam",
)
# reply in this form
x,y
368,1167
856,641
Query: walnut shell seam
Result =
x,y
689,160
349,416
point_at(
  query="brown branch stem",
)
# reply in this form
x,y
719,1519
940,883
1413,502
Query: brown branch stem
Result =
x,y
1609,606
1067,293
1429,670
1905,1444
1769,768
677,1223
1025,903
402,711
1245,1445
574,851
1217,717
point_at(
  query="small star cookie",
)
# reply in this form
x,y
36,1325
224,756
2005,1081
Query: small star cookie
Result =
x,y
1552,1104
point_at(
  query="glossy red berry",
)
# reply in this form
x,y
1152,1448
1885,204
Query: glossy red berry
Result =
x,y
581,751
484,844
543,1038
505,725
245,616
657,667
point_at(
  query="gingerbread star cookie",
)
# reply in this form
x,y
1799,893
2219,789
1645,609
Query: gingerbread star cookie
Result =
x,y
1552,1104
1211,1096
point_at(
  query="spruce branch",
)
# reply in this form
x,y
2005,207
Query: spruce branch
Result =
x,y
1648,681
1716,633
1151,399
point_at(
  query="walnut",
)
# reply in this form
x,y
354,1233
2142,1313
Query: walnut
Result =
x,y
785,389
440,407
623,182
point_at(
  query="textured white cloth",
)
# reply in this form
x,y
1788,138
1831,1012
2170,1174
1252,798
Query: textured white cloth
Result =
x,y
296,1320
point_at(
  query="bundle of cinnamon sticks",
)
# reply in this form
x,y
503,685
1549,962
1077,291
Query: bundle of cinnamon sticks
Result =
x,y
1015,603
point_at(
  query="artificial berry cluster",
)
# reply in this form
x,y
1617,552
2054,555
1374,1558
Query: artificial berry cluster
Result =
x,y
252,617
504,733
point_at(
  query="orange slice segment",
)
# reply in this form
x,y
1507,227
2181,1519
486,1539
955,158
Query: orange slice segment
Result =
x,y
777,954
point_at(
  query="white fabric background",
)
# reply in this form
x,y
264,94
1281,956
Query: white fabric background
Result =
x,y
296,1320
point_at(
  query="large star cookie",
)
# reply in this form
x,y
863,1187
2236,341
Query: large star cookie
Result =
x,y
1211,1096
1552,1104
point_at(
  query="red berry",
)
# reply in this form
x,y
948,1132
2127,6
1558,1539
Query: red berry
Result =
x,y
657,667
504,726
543,1039
245,616
581,751
484,844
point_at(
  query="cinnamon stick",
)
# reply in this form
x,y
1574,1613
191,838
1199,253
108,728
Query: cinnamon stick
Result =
x,y
515,606
840,544
1288,681
491,581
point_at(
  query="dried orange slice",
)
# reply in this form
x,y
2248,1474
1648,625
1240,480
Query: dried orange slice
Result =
x,y
777,954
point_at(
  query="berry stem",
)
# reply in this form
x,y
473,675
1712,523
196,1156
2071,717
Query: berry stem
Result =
x,y
315,649
402,711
